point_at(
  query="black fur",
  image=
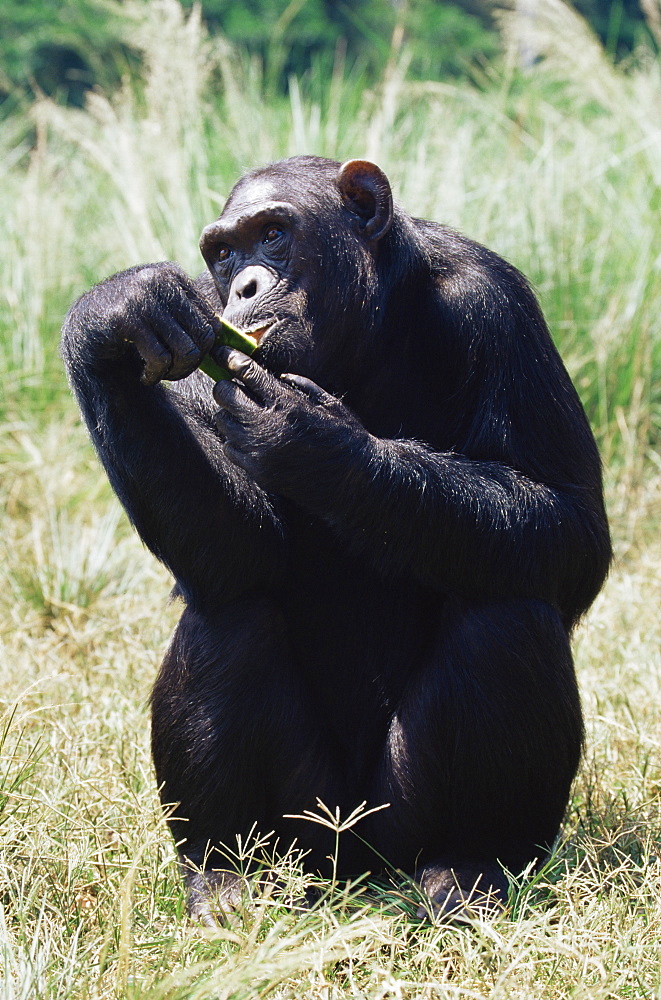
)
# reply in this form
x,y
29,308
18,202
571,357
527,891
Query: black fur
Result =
x,y
380,583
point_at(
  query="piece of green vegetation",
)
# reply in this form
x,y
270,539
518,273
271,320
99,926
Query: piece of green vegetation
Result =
x,y
228,336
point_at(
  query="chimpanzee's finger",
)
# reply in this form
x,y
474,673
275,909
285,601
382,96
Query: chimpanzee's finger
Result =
x,y
196,316
232,396
237,443
228,424
156,358
185,353
237,456
310,388
260,383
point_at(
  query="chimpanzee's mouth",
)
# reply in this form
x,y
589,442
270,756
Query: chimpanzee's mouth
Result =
x,y
259,332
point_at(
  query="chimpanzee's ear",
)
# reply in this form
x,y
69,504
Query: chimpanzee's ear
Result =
x,y
365,191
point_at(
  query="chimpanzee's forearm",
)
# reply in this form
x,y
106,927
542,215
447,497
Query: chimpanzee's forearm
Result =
x,y
216,531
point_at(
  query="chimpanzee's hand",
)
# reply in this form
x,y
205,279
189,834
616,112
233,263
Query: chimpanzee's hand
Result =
x,y
285,432
150,314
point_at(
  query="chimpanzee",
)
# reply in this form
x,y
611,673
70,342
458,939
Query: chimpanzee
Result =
x,y
384,527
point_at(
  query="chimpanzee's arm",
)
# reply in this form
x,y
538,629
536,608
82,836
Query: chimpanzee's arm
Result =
x,y
479,529
454,522
212,526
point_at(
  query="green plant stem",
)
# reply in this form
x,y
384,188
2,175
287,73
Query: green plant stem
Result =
x,y
227,336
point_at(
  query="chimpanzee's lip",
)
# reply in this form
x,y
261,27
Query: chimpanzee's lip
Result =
x,y
259,332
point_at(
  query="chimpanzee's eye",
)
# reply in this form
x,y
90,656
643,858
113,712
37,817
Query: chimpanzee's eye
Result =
x,y
271,234
224,253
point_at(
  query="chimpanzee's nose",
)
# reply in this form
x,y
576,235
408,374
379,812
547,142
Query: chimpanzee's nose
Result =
x,y
249,283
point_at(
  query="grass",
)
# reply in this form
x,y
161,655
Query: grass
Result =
x,y
557,168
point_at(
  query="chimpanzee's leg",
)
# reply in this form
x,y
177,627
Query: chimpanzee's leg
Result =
x,y
233,746
482,751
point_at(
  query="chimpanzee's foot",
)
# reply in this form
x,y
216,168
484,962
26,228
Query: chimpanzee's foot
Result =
x,y
212,895
461,893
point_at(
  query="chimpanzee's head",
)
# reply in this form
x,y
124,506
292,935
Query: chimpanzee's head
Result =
x,y
295,253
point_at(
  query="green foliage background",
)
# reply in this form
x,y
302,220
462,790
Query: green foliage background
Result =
x,y
65,48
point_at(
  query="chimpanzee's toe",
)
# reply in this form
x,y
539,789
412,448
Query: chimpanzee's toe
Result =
x,y
212,896
463,893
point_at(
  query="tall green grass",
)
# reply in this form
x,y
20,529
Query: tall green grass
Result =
x,y
558,168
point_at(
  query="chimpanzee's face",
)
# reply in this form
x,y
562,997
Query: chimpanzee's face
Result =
x,y
263,255
289,266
